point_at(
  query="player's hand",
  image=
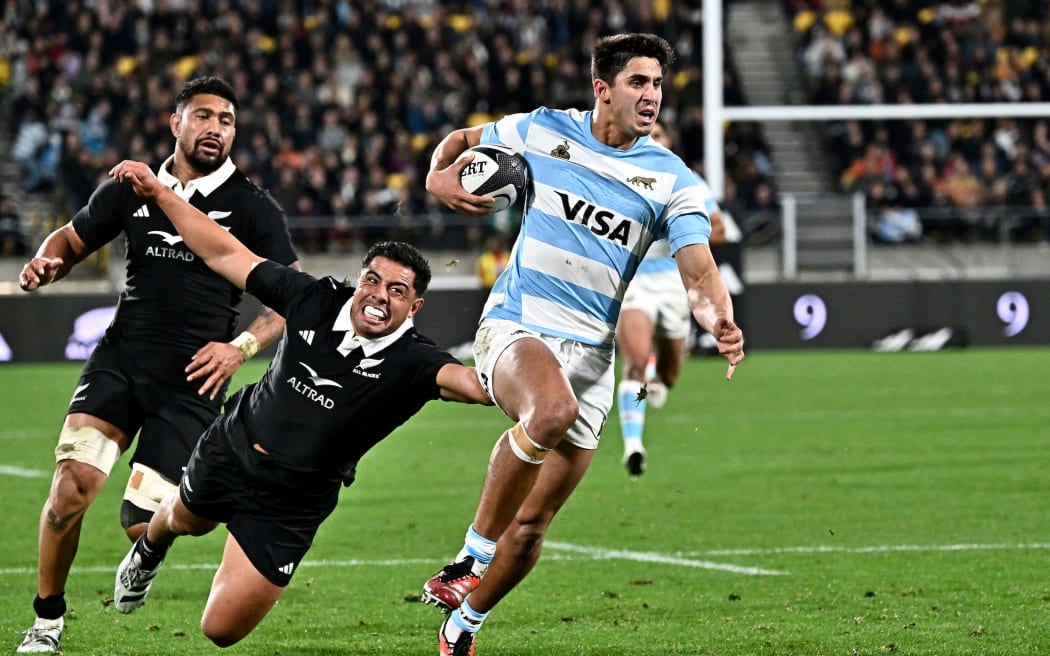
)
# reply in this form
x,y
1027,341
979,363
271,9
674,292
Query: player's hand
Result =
x,y
730,343
446,186
142,179
215,362
38,272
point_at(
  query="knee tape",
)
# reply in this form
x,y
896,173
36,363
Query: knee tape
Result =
x,y
89,446
523,446
146,488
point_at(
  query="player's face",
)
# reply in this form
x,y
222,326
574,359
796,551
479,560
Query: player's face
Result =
x,y
204,131
635,96
384,298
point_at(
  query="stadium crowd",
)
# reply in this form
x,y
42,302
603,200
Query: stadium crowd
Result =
x,y
342,102
954,178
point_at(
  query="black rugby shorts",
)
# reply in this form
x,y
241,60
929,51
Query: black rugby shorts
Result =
x,y
118,385
275,526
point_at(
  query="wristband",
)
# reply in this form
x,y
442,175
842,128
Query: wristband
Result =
x,y
247,344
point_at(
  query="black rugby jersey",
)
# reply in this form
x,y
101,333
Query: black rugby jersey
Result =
x,y
316,411
172,303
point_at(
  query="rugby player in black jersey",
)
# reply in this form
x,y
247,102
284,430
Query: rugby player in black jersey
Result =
x,y
162,369
349,370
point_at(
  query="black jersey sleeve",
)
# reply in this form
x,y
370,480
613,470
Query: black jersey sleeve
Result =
x,y
277,286
267,232
99,222
430,361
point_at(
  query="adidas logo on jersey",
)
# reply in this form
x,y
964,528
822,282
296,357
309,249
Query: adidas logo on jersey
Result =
x,y
141,213
308,336
287,569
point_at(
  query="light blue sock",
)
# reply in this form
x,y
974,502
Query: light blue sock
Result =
x,y
632,414
468,619
478,546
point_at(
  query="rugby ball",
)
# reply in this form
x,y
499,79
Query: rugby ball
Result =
x,y
495,171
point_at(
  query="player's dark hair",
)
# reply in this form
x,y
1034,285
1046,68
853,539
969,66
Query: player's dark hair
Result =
x,y
210,85
611,53
405,254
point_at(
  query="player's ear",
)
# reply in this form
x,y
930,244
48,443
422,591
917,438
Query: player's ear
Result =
x,y
601,90
416,304
174,121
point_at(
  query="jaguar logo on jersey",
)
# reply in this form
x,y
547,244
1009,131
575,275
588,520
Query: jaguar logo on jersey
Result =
x,y
310,391
601,222
561,151
639,181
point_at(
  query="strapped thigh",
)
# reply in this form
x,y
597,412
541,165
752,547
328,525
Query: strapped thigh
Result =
x,y
88,445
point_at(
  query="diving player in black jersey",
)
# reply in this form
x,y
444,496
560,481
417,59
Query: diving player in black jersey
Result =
x,y
349,370
161,370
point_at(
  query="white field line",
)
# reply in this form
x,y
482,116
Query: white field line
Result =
x,y
597,553
590,553
1008,546
22,472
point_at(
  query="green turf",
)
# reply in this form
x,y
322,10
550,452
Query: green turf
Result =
x,y
902,499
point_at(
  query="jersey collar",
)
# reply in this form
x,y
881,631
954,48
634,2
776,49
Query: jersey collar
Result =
x,y
205,185
369,346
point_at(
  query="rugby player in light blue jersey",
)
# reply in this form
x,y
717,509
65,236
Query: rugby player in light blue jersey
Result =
x,y
602,193
652,331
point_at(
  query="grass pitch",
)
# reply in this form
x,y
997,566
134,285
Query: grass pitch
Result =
x,y
840,503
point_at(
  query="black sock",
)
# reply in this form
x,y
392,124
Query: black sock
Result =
x,y
151,554
50,608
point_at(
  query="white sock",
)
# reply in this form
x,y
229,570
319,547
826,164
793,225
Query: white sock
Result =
x,y
478,546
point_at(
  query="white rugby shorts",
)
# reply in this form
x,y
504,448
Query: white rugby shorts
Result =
x,y
588,368
662,298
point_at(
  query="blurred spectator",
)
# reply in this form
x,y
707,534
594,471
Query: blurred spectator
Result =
x,y
13,239
33,152
760,219
491,263
952,51
334,86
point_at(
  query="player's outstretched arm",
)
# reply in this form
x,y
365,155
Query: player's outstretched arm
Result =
x,y
58,253
222,252
460,383
443,177
710,301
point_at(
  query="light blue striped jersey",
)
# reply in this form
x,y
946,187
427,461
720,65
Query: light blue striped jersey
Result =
x,y
659,259
592,215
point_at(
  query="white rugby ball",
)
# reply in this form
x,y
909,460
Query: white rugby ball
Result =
x,y
495,171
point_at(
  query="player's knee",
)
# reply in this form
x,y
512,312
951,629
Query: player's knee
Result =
x,y
73,488
221,634
550,423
